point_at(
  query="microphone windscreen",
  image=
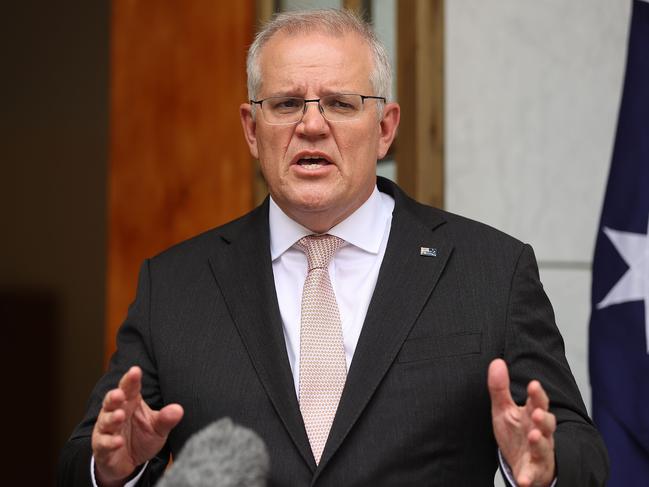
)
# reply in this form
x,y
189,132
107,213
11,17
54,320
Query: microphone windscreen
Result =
x,y
223,454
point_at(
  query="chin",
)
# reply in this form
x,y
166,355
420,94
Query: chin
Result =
x,y
313,204
313,196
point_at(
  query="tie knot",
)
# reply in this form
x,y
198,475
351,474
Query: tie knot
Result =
x,y
319,249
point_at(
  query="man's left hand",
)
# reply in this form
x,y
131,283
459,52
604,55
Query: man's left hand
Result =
x,y
525,434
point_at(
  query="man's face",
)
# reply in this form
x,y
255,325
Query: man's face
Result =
x,y
320,192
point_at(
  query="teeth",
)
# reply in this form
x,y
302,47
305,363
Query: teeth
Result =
x,y
312,162
313,158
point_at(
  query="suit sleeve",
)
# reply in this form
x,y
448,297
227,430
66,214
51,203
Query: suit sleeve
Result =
x,y
534,349
133,348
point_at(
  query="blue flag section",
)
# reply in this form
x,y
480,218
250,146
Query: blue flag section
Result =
x,y
619,324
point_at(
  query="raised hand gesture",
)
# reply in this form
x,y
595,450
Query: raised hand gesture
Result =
x,y
128,432
525,434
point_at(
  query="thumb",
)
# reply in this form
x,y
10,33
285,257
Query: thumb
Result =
x,y
167,418
498,384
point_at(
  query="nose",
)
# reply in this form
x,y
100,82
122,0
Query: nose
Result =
x,y
313,122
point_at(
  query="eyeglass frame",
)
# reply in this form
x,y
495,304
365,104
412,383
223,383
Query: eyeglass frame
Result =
x,y
320,109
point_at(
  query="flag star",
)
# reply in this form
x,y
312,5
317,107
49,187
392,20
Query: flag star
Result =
x,y
634,284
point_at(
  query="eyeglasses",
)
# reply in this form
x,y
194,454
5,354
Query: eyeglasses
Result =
x,y
339,107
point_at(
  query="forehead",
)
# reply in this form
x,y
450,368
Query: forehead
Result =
x,y
315,61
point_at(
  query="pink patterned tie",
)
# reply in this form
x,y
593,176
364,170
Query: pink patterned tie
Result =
x,y
322,355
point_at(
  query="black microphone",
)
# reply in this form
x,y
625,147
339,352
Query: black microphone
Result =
x,y
223,454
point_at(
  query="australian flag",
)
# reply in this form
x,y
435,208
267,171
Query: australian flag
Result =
x,y
619,324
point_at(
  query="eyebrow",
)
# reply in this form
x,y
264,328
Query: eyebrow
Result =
x,y
300,94
295,91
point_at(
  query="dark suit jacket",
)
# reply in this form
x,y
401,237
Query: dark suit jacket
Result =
x,y
206,330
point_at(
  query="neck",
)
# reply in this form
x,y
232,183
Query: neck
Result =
x,y
317,223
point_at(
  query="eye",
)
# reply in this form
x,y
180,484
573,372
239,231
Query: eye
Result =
x,y
341,103
285,104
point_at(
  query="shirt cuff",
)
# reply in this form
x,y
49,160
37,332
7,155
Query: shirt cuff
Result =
x,y
130,483
507,471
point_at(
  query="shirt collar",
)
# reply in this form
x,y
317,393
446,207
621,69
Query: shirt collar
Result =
x,y
364,228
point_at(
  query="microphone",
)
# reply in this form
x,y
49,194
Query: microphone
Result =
x,y
223,454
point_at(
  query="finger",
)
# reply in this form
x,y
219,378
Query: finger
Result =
x,y
104,445
131,383
537,395
540,467
498,384
524,479
545,421
167,418
113,400
541,447
536,471
110,423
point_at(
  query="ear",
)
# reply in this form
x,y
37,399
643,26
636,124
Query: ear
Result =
x,y
388,127
249,128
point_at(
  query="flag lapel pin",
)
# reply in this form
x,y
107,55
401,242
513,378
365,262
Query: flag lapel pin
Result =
x,y
428,252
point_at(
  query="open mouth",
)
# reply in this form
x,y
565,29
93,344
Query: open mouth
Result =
x,y
312,162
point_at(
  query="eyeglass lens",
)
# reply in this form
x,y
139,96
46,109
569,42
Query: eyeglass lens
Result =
x,y
335,108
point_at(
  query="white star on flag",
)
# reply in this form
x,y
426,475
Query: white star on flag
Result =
x,y
634,284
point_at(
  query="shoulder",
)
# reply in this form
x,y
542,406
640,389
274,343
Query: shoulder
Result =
x,y
460,231
467,232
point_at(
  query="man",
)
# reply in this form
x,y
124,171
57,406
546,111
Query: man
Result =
x,y
408,323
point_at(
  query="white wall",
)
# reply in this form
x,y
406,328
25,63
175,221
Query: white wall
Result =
x,y
532,93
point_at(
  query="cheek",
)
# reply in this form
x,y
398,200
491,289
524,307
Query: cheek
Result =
x,y
359,157
272,149
359,145
352,148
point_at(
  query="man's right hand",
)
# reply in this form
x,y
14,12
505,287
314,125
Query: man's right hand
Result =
x,y
128,432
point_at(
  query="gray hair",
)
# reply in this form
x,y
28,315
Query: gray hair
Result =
x,y
330,21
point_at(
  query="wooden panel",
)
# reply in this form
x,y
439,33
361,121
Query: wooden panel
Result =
x,y
178,164
419,148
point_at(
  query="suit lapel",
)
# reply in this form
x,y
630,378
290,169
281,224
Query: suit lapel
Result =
x,y
405,282
243,271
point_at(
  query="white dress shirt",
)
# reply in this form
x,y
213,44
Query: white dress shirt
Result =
x,y
353,270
